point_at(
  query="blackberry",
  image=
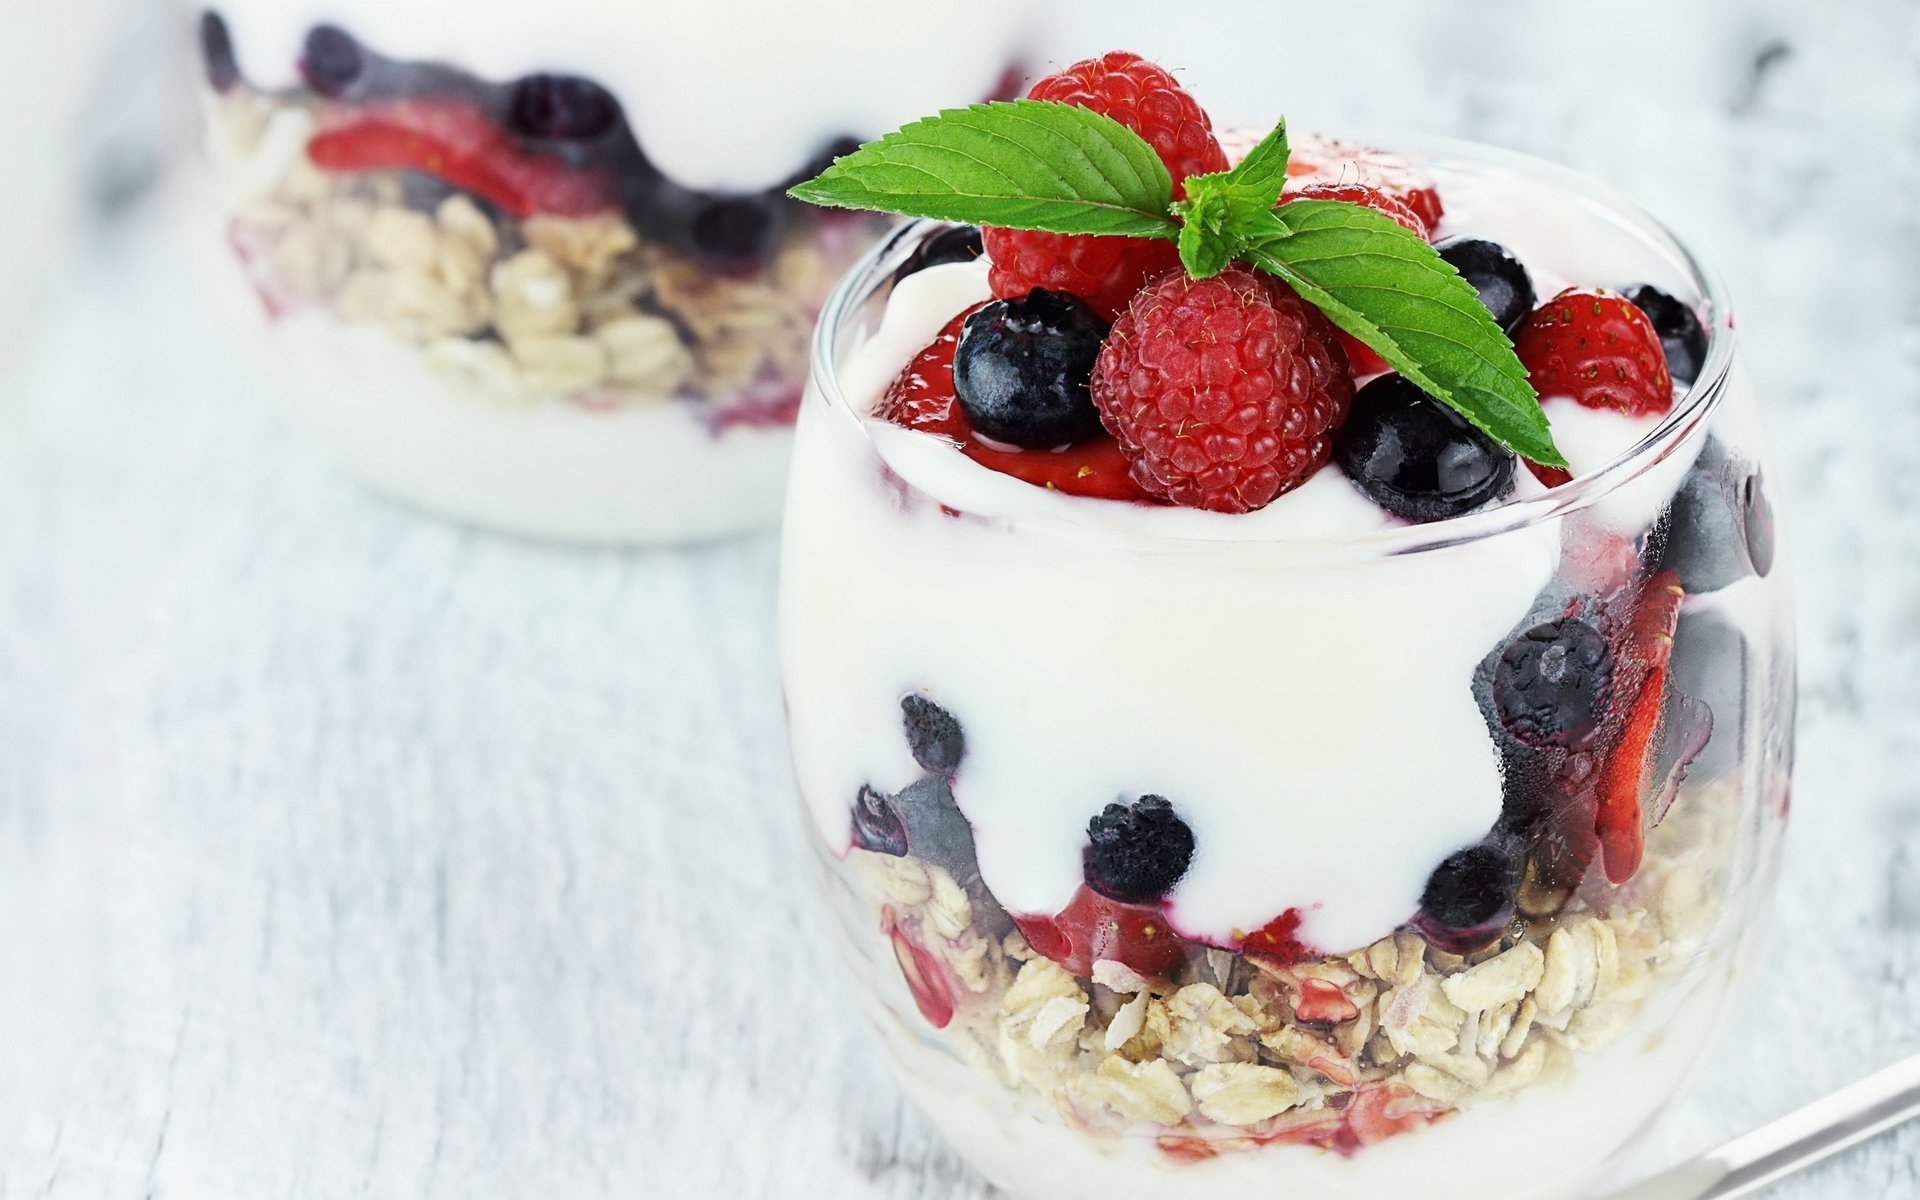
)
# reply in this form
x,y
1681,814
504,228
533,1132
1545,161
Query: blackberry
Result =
x,y
933,734
1137,852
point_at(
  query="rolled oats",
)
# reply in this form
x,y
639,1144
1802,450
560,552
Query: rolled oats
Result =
x,y
1243,1093
1207,1027
559,366
1147,1091
646,354
533,297
1503,979
403,239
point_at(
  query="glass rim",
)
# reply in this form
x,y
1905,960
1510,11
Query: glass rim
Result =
x,y
1682,424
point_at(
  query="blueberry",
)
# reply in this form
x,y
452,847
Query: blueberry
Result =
x,y
1711,661
1024,370
1468,899
877,825
1137,852
932,734
736,231
1417,458
1719,528
332,61
216,51
1681,334
954,244
1553,682
561,108
1504,285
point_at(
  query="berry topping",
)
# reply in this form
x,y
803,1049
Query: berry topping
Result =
x,y
216,52
454,141
955,244
1278,939
923,398
1023,369
1107,271
1417,458
1092,928
1223,392
1720,526
1599,349
1137,852
1646,646
737,231
1553,683
1323,160
877,825
1682,335
1366,197
1503,283
331,62
932,734
561,108
1468,899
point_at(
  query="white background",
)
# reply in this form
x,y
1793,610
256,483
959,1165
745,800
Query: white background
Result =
x,y
347,853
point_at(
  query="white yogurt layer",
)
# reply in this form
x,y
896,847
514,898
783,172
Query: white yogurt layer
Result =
x,y
730,95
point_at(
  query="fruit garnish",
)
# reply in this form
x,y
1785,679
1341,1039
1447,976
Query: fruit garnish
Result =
x,y
933,735
1719,528
1092,927
877,826
1366,197
1278,939
1328,160
923,398
1137,852
1417,458
1682,336
1553,683
1049,167
1223,392
1596,347
1106,272
1497,277
331,61
934,993
455,142
1023,368
1468,899
1639,699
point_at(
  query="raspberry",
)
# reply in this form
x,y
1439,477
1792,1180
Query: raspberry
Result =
x,y
1107,271
1598,348
1315,159
1359,354
1223,393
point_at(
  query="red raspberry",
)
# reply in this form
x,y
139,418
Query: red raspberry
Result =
x,y
1359,354
1598,348
1223,392
1314,159
1107,271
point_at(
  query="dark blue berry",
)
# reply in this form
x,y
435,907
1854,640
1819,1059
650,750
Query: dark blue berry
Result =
x,y
1711,661
932,734
1503,283
736,231
1468,899
332,61
1719,528
216,52
1417,458
877,825
1024,370
1681,334
561,108
954,244
1552,684
1137,852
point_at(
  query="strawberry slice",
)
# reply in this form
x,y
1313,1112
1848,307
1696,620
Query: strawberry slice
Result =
x,y
933,992
455,142
1625,775
1092,927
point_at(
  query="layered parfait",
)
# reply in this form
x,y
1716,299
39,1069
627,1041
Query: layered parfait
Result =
x,y
1286,653
533,265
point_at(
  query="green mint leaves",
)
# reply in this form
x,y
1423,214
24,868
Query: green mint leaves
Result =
x,y
1023,164
1030,164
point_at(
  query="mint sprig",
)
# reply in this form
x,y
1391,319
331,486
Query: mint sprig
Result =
x,y
1057,168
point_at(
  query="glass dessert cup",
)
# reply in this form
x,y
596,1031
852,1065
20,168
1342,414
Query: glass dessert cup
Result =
x,y
972,673
487,299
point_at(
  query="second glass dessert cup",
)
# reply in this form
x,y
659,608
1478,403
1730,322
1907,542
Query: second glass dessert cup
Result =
x,y
1466,976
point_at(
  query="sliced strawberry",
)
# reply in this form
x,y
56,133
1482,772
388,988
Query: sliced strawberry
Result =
x,y
923,398
933,991
1092,927
1553,477
1624,776
455,142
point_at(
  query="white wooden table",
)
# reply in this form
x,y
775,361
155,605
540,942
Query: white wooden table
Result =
x,y
347,853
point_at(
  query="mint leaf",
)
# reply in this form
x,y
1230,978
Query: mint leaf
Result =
x,y
1021,164
1384,285
1224,210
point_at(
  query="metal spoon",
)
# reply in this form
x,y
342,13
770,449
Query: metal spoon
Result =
x,y
1801,1138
